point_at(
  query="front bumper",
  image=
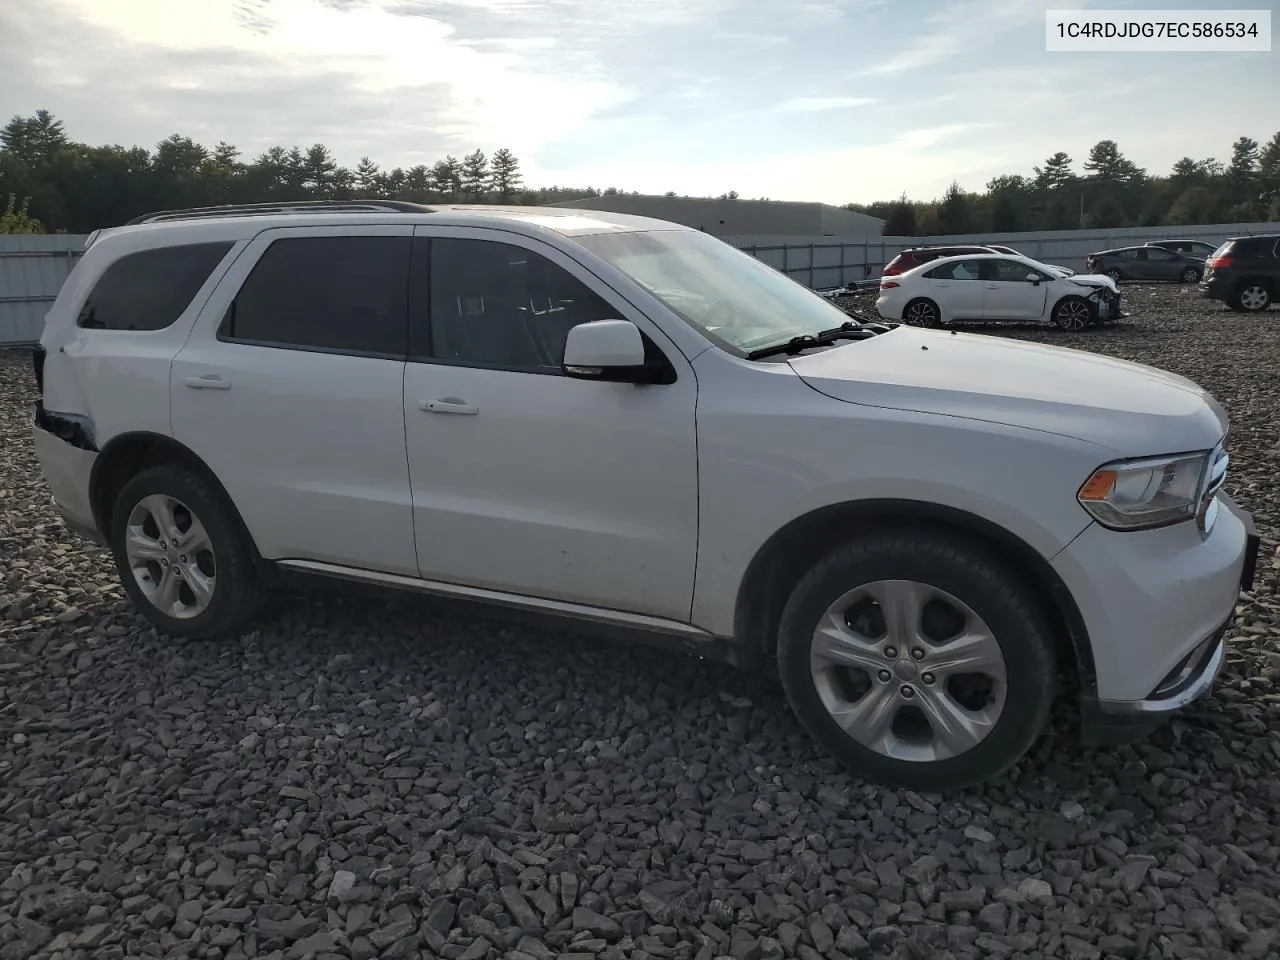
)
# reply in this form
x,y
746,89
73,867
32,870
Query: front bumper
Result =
x,y
1108,307
1114,721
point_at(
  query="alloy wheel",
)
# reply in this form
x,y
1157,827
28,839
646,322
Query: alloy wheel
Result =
x,y
922,315
908,670
1074,315
170,556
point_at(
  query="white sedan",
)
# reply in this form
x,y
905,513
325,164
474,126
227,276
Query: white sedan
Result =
x,y
991,287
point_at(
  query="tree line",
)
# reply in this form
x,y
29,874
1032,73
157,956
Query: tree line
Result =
x,y
1109,191
51,183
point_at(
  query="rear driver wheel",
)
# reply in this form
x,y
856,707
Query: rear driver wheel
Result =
x,y
917,661
1252,296
922,313
181,554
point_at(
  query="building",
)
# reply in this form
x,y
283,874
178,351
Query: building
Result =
x,y
775,219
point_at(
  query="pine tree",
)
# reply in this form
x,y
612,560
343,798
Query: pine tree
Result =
x,y
955,213
475,174
446,176
901,219
504,175
366,176
1055,173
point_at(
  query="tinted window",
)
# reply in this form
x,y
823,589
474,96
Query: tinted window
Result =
x,y
498,305
1156,253
150,289
340,294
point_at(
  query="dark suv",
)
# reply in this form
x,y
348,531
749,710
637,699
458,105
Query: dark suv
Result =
x,y
912,257
1244,272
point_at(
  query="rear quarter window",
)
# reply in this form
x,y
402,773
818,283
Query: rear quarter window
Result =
x,y
150,289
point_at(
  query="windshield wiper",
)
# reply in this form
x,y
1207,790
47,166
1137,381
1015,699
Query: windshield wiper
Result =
x,y
849,330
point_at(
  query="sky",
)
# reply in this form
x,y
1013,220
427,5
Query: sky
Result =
x,y
832,100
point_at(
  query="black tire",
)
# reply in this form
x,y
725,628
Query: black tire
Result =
x,y
923,313
1069,316
1251,296
236,594
991,588
1190,275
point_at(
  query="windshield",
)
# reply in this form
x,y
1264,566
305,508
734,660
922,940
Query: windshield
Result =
x,y
738,301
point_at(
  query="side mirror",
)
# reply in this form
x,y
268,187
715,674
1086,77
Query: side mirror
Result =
x,y
611,351
1033,279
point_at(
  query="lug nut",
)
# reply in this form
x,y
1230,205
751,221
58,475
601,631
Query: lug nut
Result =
x,y
917,653
908,691
175,543
885,676
927,678
183,558
164,561
890,652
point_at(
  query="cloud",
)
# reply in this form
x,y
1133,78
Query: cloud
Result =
x,y
957,30
818,104
282,71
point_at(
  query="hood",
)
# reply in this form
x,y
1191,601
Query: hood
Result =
x,y
1134,409
1094,280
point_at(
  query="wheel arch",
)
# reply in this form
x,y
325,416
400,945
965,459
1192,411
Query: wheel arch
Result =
x,y
125,455
1259,278
783,559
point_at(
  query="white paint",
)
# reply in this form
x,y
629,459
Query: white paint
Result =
x,y
647,501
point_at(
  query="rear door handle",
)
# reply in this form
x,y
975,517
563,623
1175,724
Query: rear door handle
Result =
x,y
210,381
448,405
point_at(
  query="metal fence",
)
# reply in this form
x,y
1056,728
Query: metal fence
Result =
x,y
823,263
32,268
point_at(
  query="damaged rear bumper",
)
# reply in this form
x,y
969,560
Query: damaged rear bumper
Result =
x,y
66,454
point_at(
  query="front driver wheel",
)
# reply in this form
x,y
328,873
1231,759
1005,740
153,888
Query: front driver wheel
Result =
x,y
181,555
917,661
923,313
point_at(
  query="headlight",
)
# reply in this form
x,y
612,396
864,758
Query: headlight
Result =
x,y
1140,494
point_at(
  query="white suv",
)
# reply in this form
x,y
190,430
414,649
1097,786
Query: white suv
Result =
x,y
624,421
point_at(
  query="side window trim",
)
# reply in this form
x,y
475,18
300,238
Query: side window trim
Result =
x,y
229,290
421,346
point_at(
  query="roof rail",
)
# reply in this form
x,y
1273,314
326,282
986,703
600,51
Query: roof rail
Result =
x,y
297,206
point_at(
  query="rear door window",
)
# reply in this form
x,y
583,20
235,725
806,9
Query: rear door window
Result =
x,y
332,294
150,289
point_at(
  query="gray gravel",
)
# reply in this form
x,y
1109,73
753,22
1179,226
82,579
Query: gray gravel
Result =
x,y
371,776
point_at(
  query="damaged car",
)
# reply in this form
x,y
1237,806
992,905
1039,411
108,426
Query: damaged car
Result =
x,y
987,288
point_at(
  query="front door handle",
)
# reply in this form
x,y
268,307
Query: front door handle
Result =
x,y
448,405
210,381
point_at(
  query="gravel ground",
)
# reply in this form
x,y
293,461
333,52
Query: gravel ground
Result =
x,y
371,776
